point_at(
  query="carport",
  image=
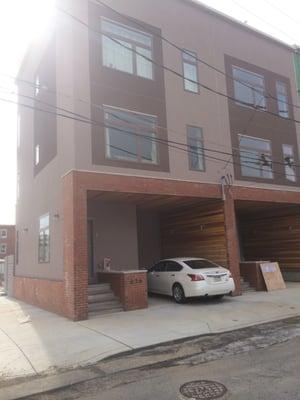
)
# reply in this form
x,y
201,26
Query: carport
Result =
x,y
135,221
270,232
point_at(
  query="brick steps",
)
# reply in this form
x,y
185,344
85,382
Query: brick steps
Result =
x,y
101,300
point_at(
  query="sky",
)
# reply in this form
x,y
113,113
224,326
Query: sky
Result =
x,y
22,21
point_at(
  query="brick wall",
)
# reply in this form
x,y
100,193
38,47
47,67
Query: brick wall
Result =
x,y
130,287
43,293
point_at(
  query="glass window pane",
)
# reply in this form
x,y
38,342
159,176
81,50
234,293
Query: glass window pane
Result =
x,y
290,169
44,221
282,100
149,149
255,157
144,67
195,148
250,89
117,56
190,72
189,56
126,33
121,145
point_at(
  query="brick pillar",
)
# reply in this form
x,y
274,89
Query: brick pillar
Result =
x,y
75,248
232,239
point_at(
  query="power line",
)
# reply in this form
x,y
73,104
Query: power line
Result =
x,y
87,119
175,72
176,46
282,12
135,134
262,19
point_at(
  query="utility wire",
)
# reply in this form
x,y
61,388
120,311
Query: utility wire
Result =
x,y
176,46
173,71
87,119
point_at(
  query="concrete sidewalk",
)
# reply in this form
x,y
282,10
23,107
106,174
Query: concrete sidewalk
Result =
x,y
33,341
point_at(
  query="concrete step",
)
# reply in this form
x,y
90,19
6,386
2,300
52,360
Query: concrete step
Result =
x,y
99,289
95,314
102,297
103,306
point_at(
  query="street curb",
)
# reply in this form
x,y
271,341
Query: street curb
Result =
x,y
46,384
67,379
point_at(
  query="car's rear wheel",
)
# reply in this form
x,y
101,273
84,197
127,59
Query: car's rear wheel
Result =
x,y
178,293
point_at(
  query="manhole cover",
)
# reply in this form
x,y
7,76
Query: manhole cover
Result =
x,y
199,390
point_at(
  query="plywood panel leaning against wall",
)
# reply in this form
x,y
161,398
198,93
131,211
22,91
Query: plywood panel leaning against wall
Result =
x,y
197,231
272,276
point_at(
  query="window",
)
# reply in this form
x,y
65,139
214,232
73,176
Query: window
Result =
x,y
160,267
37,85
3,248
172,266
249,88
289,162
195,148
131,136
44,239
3,233
123,49
256,157
198,264
282,99
37,155
190,71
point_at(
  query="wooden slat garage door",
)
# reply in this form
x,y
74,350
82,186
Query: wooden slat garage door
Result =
x,y
273,235
197,231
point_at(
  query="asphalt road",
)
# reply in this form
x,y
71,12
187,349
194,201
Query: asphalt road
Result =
x,y
257,363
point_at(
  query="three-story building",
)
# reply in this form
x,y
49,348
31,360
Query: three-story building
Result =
x,y
156,129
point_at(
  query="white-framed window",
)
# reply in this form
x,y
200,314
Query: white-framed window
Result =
x,y
282,99
190,71
126,49
3,233
195,148
130,136
37,154
37,87
44,239
249,88
289,162
3,248
255,157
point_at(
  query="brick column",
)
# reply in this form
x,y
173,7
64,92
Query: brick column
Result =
x,y
75,248
232,239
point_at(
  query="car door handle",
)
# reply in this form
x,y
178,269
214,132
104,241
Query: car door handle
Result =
x,y
173,275
157,276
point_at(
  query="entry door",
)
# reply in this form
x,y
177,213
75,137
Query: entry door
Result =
x,y
90,236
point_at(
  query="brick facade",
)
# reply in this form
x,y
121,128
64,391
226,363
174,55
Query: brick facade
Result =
x,y
43,293
130,287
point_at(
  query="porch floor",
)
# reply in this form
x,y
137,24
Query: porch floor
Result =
x,y
35,341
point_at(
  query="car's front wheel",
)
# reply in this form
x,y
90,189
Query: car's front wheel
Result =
x,y
178,293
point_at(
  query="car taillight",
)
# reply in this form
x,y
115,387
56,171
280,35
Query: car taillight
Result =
x,y
230,275
196,278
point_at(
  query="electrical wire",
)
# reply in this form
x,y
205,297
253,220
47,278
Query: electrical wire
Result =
x,y
176,46
174,72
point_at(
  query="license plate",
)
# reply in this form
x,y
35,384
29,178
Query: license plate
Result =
x,y
217,279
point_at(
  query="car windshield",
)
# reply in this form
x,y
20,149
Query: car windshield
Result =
x,y
198,264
